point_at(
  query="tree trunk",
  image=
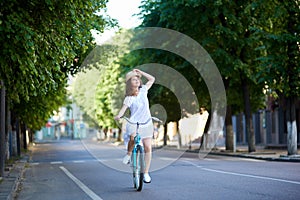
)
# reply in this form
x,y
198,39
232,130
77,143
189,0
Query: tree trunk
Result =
x,y
18,137
291,126
292,77
119,135
229,131
2,129
8,129
14,146
230,140
179,136
24,135
247,110
31,136
204,138
165,134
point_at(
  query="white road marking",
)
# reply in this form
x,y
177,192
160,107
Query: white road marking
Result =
x,y
89,192
166,158
61,162
246,159
210,159
56,162
243,175
36,163
191,163
252,176
79,161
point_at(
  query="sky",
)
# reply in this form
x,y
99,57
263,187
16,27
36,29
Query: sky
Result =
x,y
121,10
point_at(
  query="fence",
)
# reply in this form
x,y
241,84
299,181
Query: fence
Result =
x,y
269,127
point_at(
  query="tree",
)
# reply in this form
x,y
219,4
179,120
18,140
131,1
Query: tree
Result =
x,y
223,29
45,42
48,38
97,89
83,91
110,86
42,42
2,128
278,29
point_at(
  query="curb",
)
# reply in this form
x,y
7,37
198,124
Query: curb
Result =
x,y
281,159
255,155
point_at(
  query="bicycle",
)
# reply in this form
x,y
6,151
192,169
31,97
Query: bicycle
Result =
x,y
138,155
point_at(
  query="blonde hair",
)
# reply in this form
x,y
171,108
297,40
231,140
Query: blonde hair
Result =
x,y
129,90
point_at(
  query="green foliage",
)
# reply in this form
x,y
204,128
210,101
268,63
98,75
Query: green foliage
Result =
x,y
83,90
41,44
99,93
278,29
223,29
255,41
37,110
98,87
109,96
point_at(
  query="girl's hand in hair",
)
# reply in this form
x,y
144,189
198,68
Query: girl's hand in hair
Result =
x,y
139,72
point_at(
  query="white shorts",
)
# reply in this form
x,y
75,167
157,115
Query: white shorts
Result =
x,y
145,131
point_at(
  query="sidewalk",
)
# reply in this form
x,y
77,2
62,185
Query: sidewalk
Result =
x,y
11,179
261,153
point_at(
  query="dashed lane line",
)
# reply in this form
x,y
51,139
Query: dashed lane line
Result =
x,y
62,162
79,161
56,162
83,187
84,161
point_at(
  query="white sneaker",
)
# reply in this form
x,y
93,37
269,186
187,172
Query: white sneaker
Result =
x,y
147,178
126,159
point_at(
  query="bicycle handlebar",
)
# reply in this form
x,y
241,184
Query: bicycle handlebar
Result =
x,y
156,119
153,118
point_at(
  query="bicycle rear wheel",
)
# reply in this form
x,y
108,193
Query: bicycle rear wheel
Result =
x,y
138,167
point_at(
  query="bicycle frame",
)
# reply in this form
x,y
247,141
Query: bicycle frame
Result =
x,y
138,146
138,160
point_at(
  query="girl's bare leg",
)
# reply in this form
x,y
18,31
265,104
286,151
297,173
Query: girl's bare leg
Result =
x,y
148,153
130,145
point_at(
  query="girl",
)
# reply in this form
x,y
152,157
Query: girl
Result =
x,y
137,101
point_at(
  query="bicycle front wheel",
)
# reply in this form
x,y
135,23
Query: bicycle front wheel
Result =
x,y
138,167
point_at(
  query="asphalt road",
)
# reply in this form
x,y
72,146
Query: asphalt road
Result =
x,y
89,170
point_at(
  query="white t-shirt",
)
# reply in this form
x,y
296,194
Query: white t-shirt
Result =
x,y
139,106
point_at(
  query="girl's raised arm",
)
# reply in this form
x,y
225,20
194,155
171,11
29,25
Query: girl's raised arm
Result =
x,y
150,78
